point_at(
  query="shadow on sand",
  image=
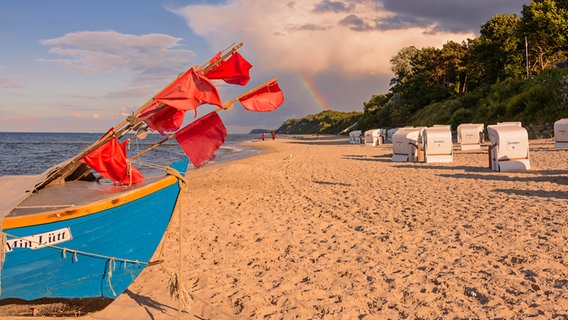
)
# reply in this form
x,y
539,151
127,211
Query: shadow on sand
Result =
x,y
150,304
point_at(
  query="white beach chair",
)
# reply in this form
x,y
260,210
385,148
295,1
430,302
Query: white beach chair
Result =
x,y
509,150
384,135
438,145
373,137
390,133
561,134
355,136
406,144
470,135
516,123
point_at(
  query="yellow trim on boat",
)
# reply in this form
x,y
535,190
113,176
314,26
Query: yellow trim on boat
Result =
x,y
79,211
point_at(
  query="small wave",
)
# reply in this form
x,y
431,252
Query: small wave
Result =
x,y
44,143
32,153
231,148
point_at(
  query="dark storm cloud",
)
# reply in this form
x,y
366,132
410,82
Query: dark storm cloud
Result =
x,y
448,15
310,27
331,6
435,15
402,21
355,23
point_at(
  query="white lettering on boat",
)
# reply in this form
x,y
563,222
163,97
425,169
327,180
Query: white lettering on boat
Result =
x,y
41,240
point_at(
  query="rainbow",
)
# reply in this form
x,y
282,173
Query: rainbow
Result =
x,y
311,89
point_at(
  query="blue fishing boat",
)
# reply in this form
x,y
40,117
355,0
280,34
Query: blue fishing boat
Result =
x,y
87,227
85,240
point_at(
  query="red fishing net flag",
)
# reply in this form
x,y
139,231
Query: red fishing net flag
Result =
x,y
201,138
265,98
234,70
163,118
110,161
189,91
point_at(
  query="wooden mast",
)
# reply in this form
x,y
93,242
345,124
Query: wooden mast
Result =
x,y
131,121
226,106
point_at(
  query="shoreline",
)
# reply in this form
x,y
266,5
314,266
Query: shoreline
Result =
x,y
320,228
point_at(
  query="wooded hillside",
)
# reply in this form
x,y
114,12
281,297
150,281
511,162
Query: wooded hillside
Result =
x,y
514,71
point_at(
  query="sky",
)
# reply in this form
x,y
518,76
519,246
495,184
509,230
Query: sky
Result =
x,y
82,66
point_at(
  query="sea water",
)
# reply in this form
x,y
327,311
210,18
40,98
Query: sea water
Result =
x,y
32,153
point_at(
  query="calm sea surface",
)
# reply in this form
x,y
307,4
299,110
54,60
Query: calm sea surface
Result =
x,y
32,153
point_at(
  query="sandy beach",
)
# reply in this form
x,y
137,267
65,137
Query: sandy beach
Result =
x,y
317,228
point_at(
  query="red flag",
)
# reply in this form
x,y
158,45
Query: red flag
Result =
x,y
267,98
167,119
109,160
201,138
234,70
189,91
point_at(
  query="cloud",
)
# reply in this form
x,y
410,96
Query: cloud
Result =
x,y
355,23
146,61
309,27
105,51
311,36
130,93
403,21
448,15
332,6
341,47
10,84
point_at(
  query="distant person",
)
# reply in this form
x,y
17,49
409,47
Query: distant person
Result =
x,y
273,135
262,136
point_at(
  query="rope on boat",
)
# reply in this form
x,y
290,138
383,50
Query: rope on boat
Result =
x,y
154,165
176,286
111,260
110,268
176,280
2,255
79,252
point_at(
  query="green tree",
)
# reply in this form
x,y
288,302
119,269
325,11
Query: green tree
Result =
x,y
427,65
402,64
474,76
545,25
453,59
498,49
420,79
377,101
476,79
376,112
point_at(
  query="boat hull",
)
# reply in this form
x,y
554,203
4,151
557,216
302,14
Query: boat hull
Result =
x,y
94,255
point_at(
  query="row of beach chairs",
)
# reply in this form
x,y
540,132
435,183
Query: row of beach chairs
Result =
x,y
508,148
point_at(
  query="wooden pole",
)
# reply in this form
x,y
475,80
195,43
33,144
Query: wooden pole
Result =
x,y
206,69
227,104
227,48
225,107
258,87
116,132
152,147
201,69
489,151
